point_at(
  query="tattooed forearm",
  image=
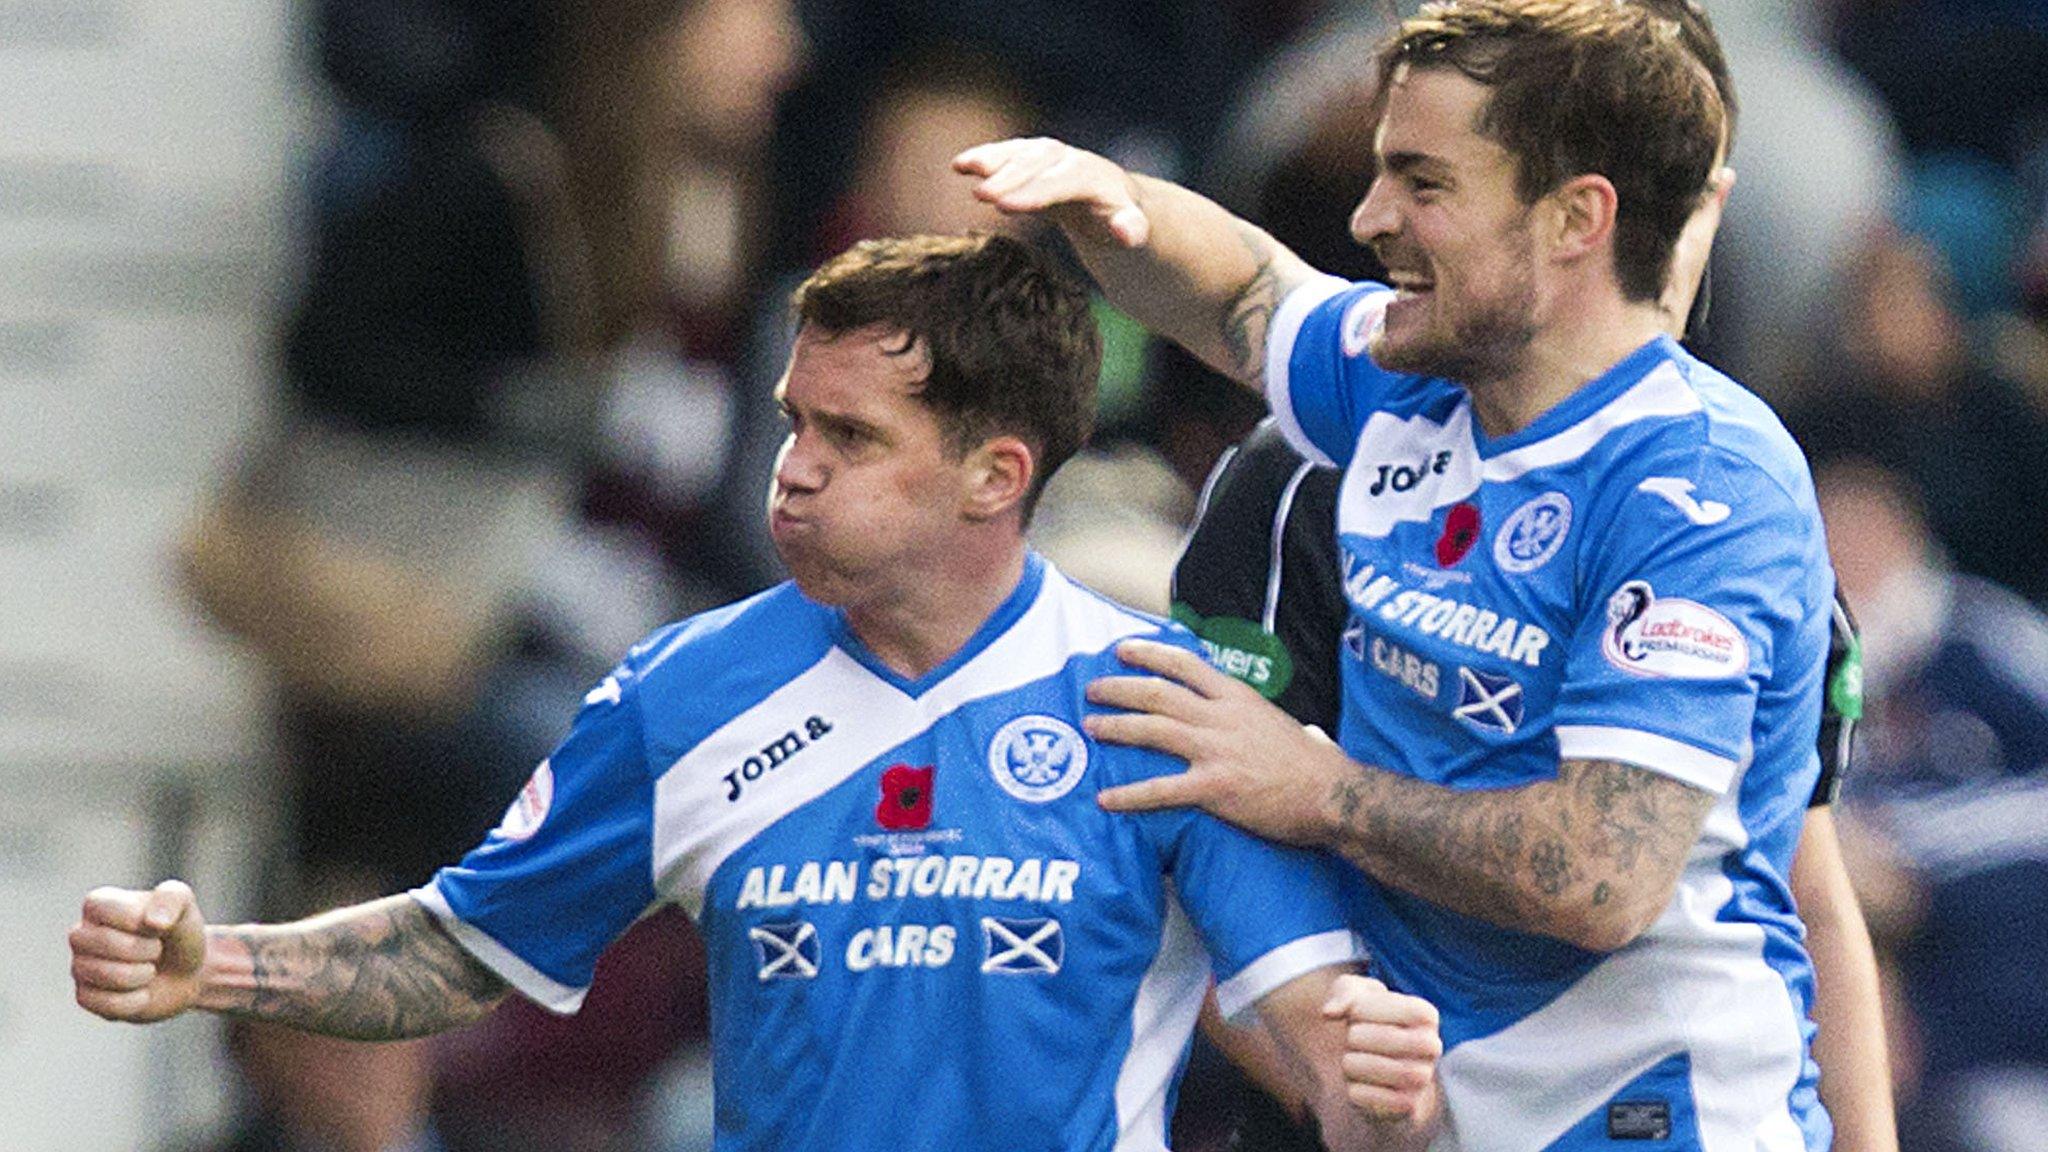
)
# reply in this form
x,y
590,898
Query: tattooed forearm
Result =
x,y
1249,316
379,971
1590,857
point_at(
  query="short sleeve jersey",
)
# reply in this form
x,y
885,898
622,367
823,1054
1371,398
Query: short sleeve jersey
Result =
x,y
1637,576
923,932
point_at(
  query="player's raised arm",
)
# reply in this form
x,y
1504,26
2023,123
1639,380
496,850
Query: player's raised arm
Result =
x,y
1179,263
377,971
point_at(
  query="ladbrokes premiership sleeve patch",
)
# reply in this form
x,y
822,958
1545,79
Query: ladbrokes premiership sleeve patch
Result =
x,y
1682,639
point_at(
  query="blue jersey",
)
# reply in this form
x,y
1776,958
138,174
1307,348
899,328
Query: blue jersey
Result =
x,y
922,931
1638,576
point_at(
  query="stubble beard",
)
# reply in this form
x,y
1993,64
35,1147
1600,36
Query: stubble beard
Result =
x,y
1486,345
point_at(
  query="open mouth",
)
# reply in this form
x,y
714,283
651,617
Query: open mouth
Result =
x,y
1407,284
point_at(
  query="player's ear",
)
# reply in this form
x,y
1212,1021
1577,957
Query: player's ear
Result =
x,y
997,477
1582,217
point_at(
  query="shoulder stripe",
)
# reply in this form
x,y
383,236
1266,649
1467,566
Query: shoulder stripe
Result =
x,y
1663,392
1162,1016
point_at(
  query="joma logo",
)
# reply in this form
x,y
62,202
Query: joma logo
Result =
x,y
774,755
1402,477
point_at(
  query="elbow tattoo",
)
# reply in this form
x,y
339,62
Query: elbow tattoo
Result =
x,y
1249,317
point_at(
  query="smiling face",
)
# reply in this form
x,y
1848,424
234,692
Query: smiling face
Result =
x,y
867,489
1444,217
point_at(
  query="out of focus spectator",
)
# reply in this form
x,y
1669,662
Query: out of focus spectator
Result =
x,y
1947,817
316,1094
663,508
532,235
1960,75
1818,165
1143,81
1903,385
1295,153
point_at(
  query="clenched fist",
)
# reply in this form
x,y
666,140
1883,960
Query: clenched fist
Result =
x,y
135,956
1391,1047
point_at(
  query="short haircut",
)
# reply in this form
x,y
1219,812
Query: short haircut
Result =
x,y
1586,86
1013,344
1697,33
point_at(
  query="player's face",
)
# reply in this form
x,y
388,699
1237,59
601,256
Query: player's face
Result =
x,y
1444,218
866,488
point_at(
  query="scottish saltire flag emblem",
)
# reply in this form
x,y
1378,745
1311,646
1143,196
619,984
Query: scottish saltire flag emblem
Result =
x,y
1022,947
785,951
1489,702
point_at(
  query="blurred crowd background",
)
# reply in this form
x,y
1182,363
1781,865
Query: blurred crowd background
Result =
x,y
374,372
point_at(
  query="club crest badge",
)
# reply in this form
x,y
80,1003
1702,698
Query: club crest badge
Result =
x,y
1037,758
1533,533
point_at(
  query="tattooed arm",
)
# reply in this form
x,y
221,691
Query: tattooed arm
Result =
x,y
1178,263
384,970
1591,857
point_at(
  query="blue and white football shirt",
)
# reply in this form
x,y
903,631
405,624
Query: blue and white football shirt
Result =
x,y
923,932
1638,576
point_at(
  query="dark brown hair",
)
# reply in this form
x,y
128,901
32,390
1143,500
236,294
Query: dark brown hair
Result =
x,y
1013,344
1586,86
1696,32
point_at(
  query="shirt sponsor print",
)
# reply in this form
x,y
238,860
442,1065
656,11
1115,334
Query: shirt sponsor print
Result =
x,y
774,754
1242,649
901,946
1444,617
1681,639
1037,879
1402,477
